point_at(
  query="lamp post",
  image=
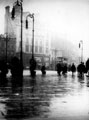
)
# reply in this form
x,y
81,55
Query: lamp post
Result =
x,y
21,44
21,52
81,46
31,16
32,60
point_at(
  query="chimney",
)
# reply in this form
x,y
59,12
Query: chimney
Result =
x,y
7,14
7,8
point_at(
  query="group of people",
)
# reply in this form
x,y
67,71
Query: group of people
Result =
x,y
16,67
80,68
33,68
3,69
61,68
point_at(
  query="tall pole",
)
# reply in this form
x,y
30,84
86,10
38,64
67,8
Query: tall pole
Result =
x,y
21,52
32,60
31,16
33,38
19,3
55,58
6,48
81,43
82,52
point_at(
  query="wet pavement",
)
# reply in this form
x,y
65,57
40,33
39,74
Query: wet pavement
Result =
x,y
49,97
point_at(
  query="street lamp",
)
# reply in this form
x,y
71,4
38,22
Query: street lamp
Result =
x,y
31,16
13,16
32,60
81,46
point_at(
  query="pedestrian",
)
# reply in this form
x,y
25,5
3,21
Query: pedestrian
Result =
x,y
32,67
73,69
64,69
81,69
87,66
16,68
59,68
69,67
3,68
43,70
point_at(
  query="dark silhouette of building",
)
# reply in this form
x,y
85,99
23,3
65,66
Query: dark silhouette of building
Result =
x,y
7,47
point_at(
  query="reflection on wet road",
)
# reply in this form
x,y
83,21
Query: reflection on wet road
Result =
x,y
45,97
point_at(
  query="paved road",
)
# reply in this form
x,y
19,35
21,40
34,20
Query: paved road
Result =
x,y
49,97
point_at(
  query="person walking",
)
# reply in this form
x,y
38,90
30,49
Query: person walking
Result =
x,y
64,69
16,67
32,67
59,68
87,66
81,69
43,70
3,68
73,69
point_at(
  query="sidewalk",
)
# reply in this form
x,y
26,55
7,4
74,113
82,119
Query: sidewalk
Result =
x,y
38,72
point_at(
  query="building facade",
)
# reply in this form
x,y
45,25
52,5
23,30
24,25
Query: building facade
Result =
x,y
42,39
7,48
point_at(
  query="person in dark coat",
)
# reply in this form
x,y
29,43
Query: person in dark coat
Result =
x,y
81,69
43,70
16,68
3,68
59,68
73,69
87,66
32,66
64,69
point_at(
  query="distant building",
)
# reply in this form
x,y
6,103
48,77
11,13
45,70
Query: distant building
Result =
x,y
56,56
41,37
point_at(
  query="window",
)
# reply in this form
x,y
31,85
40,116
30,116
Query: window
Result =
x,y
27,48
46,43
27,45
36,46
30,48
36,49
40,49
47,51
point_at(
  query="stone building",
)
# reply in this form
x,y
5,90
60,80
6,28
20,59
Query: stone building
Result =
x,y
41,37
